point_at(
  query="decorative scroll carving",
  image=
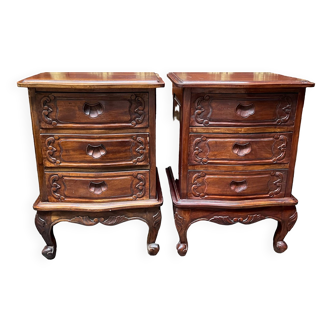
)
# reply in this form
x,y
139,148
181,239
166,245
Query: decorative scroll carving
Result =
x,y
178,221
97,187
284,110
157,219
241,149
238,186
138,114
279,148
55,186
51,150
291,221
197,150
140,187
202,115
88,222
140,149
199,185
95,151
93,110
40,224
277,183
245,110
47,109
227,220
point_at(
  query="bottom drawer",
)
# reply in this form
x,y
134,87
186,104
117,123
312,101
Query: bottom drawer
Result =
x,y
236,185
107,186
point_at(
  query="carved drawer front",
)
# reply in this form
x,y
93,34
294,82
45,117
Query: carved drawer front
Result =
x,y
236,185
93,110
110,186
88,150
217,109
221,149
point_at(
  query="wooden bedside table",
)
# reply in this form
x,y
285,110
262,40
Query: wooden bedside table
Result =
x,y
94,137
238,142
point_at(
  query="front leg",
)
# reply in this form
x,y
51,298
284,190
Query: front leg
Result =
x,y
153,219
44,226
288,220
182,223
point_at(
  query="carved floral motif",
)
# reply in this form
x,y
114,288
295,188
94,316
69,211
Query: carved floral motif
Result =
x,y
50,150
140,186
138,113
227,220
140,149
203,114
199,185
279,148
200,143
55,186
47,109
291,221
277,183
284,110
178,221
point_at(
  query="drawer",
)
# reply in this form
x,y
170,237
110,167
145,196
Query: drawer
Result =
x,y
89,187
224,149
236,185
93,110
95,150
222,109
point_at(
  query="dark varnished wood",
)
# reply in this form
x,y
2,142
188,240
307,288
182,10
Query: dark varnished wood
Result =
x,y
91,80
93,110
98,150
94,137
107,186
238,109
231,80
45,221
239,149
238,141
236,185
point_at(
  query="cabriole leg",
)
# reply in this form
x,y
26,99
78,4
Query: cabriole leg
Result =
x,y
44,226
153,219
182,224
288,220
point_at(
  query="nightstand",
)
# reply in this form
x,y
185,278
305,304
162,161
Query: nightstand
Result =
x,y
94,136
238,142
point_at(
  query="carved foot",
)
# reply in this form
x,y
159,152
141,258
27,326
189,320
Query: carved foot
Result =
x,y
153,249
288,220
49,252
280,247
182,249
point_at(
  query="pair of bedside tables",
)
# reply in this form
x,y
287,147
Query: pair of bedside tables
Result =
x,y
95,145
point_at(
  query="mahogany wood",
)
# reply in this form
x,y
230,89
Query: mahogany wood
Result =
x,y
94,137
238,141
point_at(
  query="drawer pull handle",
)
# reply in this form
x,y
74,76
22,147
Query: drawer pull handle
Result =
x,y
239,186
95,151
93,110
97,188
245,110
241,149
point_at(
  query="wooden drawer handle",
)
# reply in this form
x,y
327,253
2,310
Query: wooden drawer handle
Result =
x,y
97,188
93,110
239,186
95,151
241,149
245,110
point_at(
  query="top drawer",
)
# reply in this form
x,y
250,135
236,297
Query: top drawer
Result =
x,y
222,109
93,110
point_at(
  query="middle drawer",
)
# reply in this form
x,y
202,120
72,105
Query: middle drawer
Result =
x,y
97,150
226,149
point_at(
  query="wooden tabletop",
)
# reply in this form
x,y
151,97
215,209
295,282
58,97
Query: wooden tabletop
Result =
x,y
93,80
236,80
